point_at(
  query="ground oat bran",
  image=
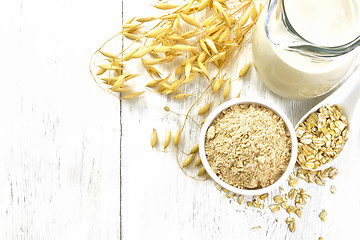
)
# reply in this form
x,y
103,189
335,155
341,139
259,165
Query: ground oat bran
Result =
x,y
248,146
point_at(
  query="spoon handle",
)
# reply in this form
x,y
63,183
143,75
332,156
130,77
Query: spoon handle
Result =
x,y
348,94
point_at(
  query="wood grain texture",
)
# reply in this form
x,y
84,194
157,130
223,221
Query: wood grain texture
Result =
x,y
60,134
160,202
62,141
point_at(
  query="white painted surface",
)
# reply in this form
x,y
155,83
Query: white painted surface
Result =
x,y
60,135
62,141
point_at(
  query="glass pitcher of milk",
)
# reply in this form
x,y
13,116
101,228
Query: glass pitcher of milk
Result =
x,y
304,48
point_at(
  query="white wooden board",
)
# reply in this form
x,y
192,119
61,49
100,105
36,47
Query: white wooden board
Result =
x,y
63,140
60,135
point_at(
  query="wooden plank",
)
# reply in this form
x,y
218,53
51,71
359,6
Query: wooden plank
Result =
x,y
59,132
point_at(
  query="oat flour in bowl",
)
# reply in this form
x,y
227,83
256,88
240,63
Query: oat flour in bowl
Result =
x,y
248,146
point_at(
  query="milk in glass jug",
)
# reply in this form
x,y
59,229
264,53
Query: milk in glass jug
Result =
x,y
304,48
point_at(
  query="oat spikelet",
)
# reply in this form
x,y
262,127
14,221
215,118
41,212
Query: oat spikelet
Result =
x,y
201,171
129,54
180,47
145,19
143,52
211,44
168,137
156,32
154,138
203,69
254,13
132,95
205,108
188,7
188,160
197,162
176,25
195,149
187,69
130,25
177,137
218,84
203,4
182,96
101,71
218,6
122,90
119,81
152,61
203,47
109,55
189,20
130,20
109,67
165,6
244,70
153,83
131,76
227,89
245,17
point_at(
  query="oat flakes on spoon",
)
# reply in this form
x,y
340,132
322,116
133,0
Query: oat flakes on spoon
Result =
x,y
323,131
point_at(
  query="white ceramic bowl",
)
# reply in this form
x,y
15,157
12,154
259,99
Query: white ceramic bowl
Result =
x,y
205,162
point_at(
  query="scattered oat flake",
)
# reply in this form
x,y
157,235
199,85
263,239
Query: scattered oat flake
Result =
x,y
291,209
274,207
332,189
278,199
284,205
154,138
323,215
256,228
292,226
225,190
293,182
240,199
291,223
228,195
264,196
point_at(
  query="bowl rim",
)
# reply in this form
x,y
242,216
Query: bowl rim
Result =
x,y
242,101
